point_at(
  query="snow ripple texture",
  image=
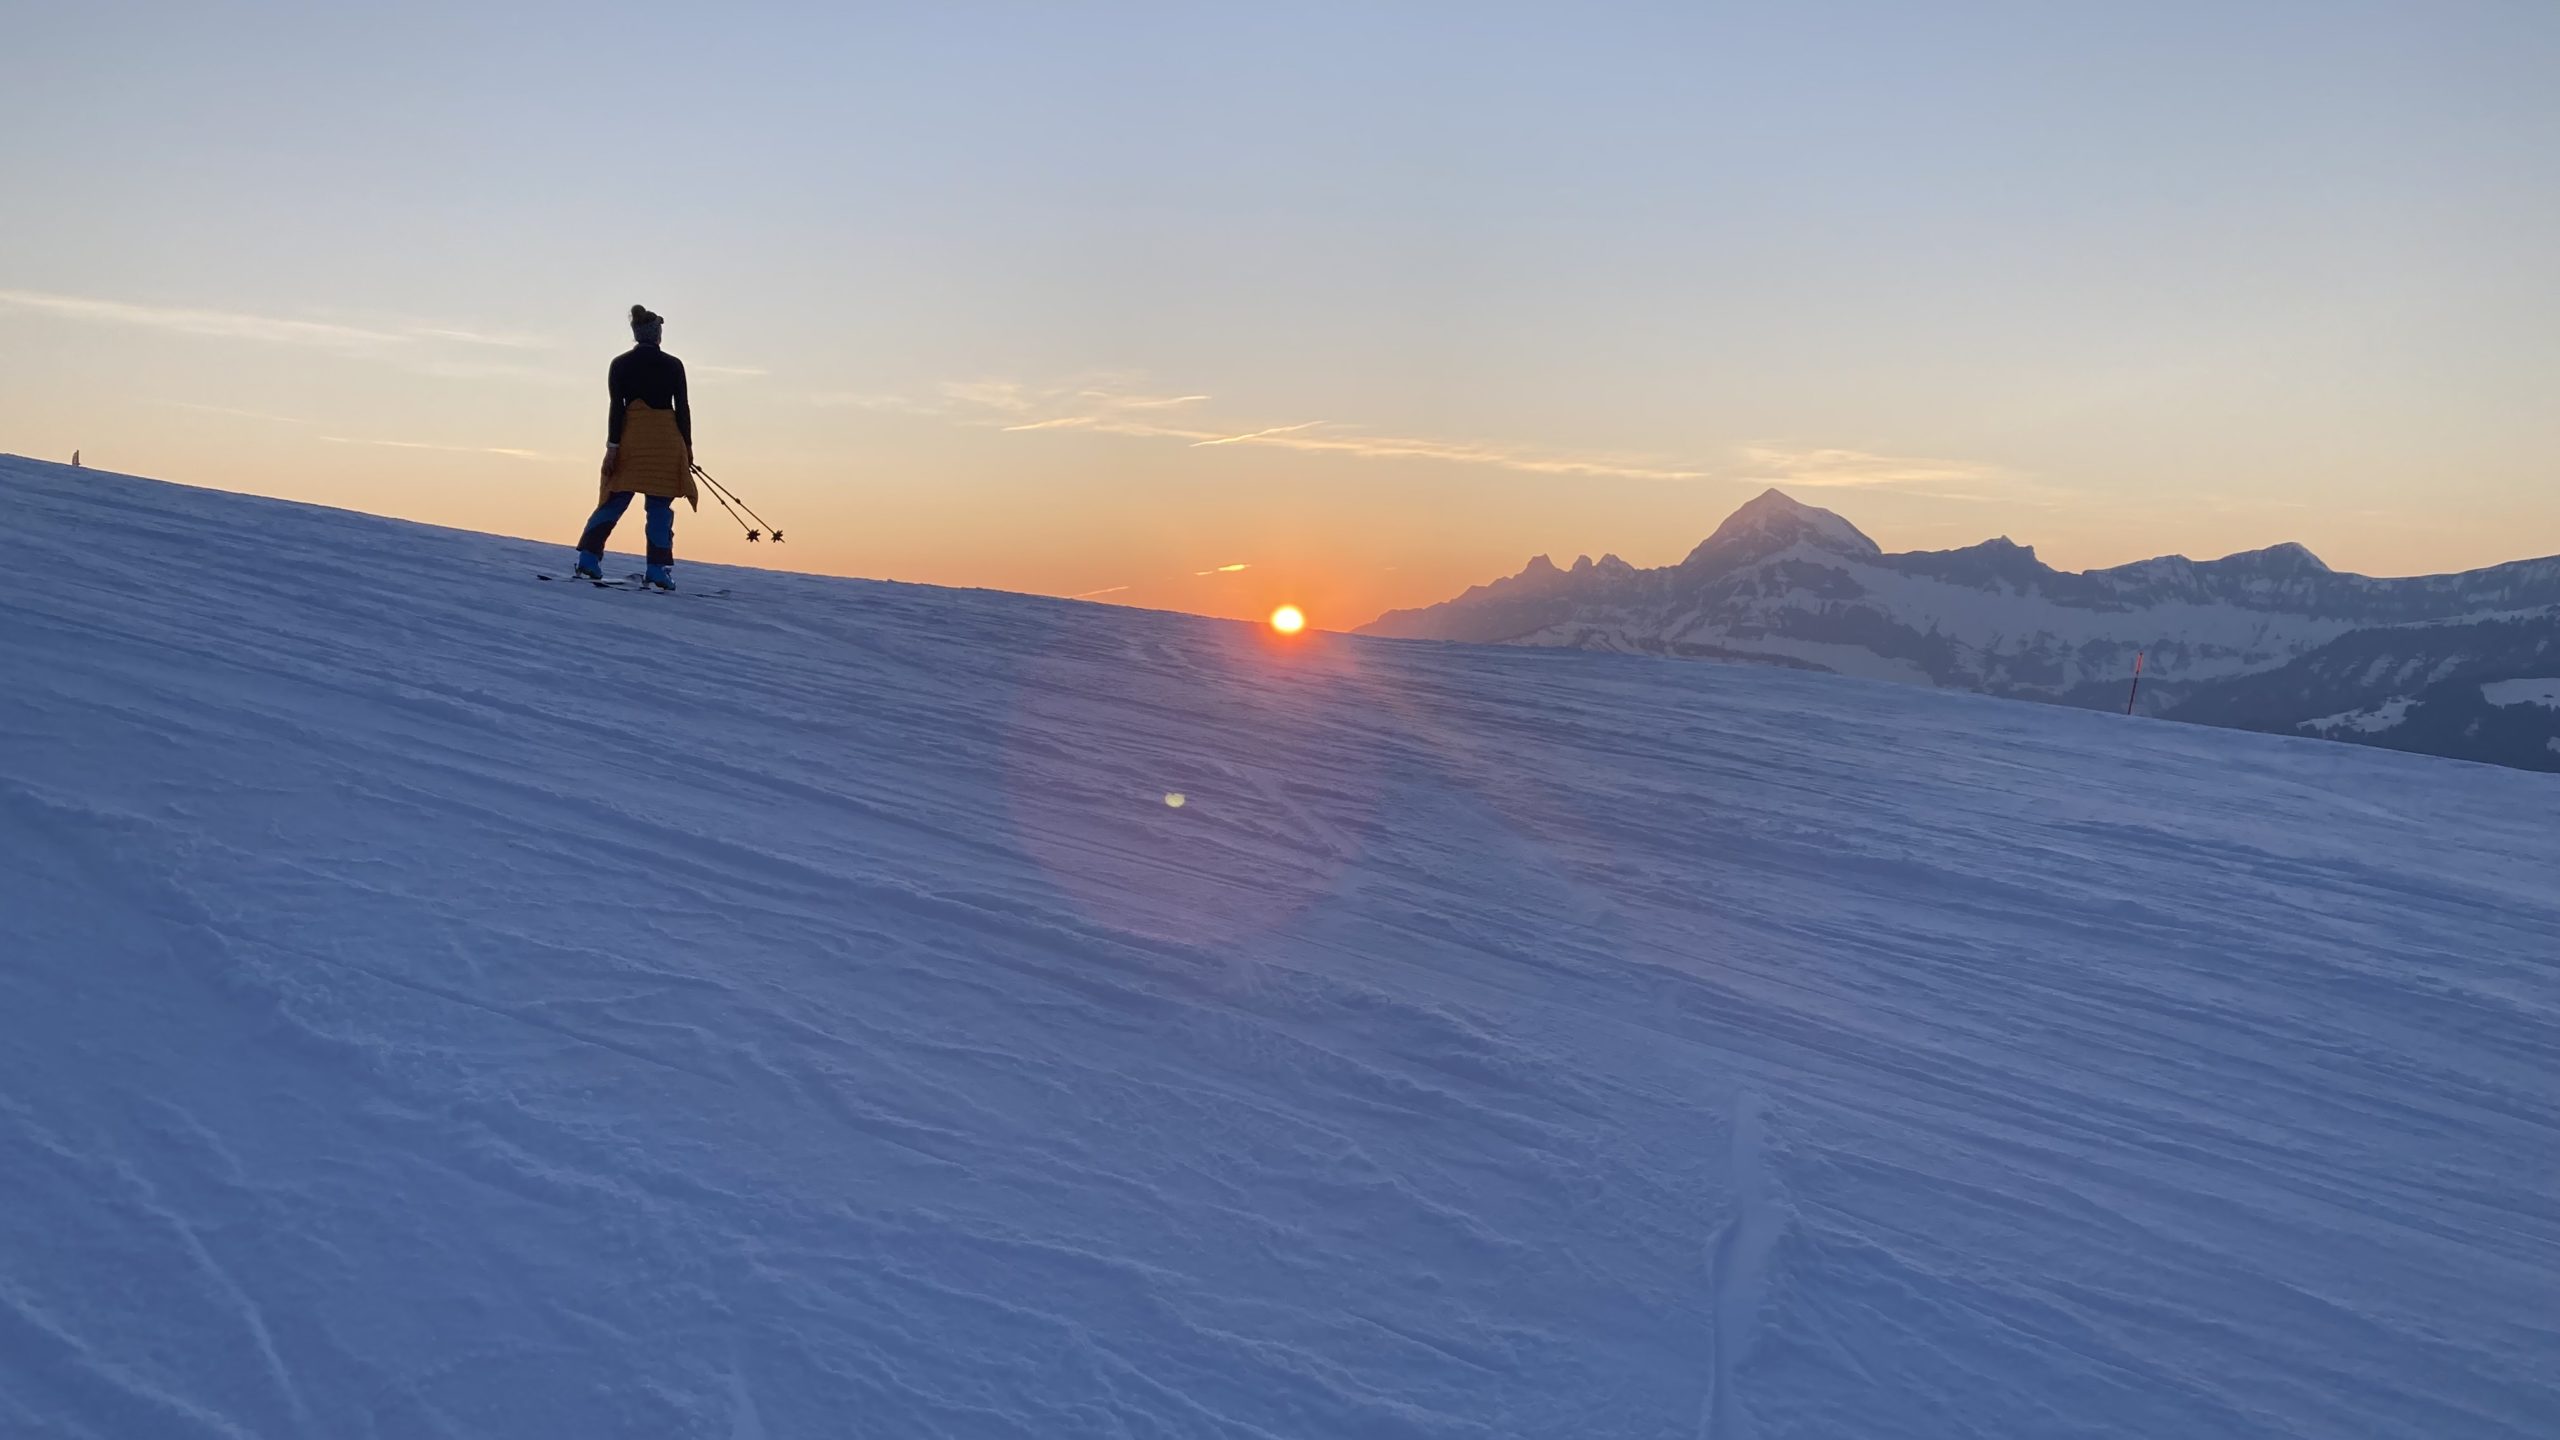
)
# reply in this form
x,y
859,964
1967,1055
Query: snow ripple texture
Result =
x,y
435,1003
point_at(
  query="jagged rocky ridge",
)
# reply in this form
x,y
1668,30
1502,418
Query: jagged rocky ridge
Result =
x,y
2267,639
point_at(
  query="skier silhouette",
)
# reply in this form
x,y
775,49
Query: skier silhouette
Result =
x,y
75,459
648,450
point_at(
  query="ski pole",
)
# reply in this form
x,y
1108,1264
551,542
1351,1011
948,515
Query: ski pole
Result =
x,y
733,514
2137,683
726,496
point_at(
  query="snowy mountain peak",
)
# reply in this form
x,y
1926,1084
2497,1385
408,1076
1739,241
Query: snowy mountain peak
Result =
x,y
2288,558
2269,639
1776,520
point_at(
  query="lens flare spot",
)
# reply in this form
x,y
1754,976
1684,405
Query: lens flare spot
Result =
x,y
1176,799
1288,620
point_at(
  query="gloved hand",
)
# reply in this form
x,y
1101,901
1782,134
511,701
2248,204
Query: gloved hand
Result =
x,y
612,455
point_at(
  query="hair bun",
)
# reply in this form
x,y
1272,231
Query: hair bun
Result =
x,y
639,313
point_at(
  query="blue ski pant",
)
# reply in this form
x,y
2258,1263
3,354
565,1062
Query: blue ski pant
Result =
x,y
659,525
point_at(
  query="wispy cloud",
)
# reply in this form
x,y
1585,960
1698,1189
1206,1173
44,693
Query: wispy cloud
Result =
x,y
1964,481
1252,435
1090,398
1113,400
1006,395
1858,468
225,324
1099,408
510,453
1106,590
477,337
1463,452
1223,570
242,325
490,370
238,414
2226,504
740,372
872,400
1123,406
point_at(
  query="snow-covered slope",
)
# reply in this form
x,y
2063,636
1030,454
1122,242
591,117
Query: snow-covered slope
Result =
x,y
2541,690
2270,639
437,1003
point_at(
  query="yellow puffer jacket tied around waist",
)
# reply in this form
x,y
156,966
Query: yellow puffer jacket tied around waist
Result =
x,y
653,459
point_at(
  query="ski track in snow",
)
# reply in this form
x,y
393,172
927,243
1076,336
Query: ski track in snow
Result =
x,y
475,1007
1742,1253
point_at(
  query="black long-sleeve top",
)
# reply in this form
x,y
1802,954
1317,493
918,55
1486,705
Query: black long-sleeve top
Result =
x,y
654,378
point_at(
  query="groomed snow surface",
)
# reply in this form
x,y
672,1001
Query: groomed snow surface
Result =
x,y
438,1003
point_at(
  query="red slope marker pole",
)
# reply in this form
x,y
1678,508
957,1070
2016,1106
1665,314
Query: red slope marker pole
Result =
x,y
2137,683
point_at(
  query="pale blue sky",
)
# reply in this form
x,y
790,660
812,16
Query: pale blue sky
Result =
x,y
2113,280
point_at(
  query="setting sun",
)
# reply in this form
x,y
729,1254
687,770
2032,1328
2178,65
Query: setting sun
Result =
x,y
1288,620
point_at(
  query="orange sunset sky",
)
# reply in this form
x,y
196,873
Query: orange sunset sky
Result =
x,y
1344,307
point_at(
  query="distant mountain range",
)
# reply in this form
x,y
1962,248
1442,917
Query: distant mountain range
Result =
x,y
2462,665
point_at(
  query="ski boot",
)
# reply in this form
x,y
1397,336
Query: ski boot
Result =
x,y
589,567
659,577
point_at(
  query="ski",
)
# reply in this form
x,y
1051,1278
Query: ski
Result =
x,y
632,584
599,584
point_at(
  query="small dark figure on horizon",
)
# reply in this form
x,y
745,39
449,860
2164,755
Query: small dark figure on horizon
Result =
x,y
75,459
648,450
